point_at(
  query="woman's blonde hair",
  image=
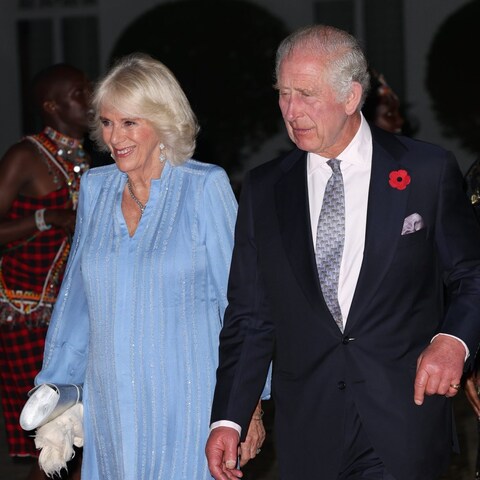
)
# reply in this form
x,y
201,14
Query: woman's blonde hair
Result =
x,y
142,87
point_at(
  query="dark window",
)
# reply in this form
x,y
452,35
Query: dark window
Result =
x,y
35,46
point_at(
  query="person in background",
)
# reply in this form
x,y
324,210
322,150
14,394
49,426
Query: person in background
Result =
x,y
471,385
39,185
342,248
382,106
472,186
471,379
145,290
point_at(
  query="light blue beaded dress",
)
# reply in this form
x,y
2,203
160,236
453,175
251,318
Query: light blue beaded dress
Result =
x,y
137,321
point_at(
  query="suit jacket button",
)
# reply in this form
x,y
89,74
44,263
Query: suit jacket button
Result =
x,y
345,340
341,385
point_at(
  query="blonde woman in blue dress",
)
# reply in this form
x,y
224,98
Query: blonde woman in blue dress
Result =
x,y
142,302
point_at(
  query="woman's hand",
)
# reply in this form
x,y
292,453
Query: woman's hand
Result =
x,y
471,392
250,448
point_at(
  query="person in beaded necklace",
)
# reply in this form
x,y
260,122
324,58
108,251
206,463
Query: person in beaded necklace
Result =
x,y
39,183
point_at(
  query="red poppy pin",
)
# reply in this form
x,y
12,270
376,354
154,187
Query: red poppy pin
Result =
x,y
399,179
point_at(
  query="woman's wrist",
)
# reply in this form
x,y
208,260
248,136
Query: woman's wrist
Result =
x,y
258,413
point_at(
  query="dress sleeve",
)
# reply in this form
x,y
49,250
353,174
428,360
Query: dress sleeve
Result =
x,y
66,344
220,213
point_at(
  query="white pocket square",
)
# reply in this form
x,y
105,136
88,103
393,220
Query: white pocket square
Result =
x,y
413,223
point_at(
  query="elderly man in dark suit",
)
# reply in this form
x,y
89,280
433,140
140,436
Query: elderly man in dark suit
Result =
x,y
345,251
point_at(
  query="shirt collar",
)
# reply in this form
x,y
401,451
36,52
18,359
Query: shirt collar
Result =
x,y
357,152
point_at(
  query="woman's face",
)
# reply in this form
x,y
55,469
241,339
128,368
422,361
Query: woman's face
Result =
x,y
132,141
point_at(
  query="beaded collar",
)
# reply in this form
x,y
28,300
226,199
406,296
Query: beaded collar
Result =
x,y
57,137
66,154
68,147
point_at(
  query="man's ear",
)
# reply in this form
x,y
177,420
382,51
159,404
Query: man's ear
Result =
x,y
49,106
353,98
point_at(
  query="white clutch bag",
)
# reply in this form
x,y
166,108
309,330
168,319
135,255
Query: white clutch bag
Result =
x,y
48,401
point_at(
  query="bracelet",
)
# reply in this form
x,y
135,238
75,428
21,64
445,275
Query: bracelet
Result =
x,y
259,416
40,220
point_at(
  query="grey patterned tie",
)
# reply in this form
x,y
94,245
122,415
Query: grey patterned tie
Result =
x,y
330,240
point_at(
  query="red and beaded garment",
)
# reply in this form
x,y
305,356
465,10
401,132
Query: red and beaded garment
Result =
x,y
31,271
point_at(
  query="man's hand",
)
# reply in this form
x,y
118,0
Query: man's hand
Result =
x,y
222,453
439,368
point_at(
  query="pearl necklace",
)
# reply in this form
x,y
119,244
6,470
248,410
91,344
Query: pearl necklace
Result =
x,y
141,206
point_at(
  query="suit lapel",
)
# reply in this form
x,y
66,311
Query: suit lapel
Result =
x,y
293,213
386,211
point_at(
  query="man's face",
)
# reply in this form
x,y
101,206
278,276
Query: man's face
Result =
x,y
316,120
72,102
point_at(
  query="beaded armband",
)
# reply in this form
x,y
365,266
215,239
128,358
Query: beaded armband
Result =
x,y
40,220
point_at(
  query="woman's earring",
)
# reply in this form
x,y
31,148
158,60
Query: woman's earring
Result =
x,y
163,157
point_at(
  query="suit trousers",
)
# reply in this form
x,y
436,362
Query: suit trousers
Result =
x,y
359,459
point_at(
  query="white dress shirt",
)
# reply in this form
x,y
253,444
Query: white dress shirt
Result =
x,y
356,166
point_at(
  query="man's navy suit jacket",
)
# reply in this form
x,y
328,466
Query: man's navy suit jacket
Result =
x,y
276,312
